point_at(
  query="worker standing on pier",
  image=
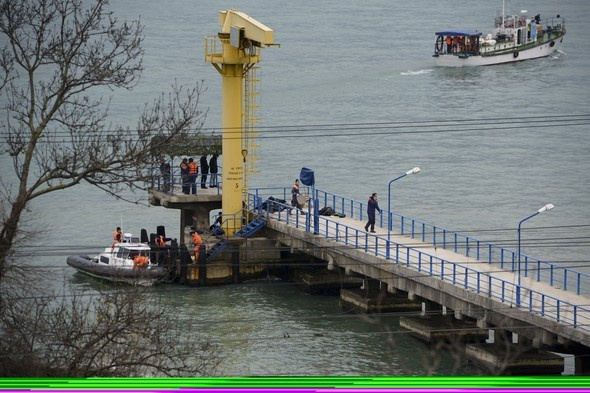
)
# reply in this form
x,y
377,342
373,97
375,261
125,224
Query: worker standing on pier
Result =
x,y
197,241
372,205
213,170
186,188
193,171
294,194
204,171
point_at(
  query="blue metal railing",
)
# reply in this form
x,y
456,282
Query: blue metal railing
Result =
x,y
174,184
553,274
424,263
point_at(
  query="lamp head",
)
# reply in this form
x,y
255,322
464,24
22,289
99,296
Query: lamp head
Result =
x,y
413,171
548,206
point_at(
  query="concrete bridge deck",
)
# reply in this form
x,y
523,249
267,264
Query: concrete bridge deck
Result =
x,y
546,303
548,315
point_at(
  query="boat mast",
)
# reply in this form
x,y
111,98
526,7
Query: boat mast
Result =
x,y
503,13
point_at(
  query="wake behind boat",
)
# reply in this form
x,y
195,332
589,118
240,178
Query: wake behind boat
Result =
x,y
514,38
127,261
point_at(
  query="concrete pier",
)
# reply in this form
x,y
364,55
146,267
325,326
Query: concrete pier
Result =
x,y
324,281
376,301
433,328
500,359
246,259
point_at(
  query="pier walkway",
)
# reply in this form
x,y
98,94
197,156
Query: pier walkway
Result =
x,y
470,276
541,301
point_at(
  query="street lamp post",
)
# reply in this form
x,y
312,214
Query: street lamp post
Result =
x,y
389,215
545,208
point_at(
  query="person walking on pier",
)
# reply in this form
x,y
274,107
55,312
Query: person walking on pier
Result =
x,y
197,241
213,171
204,171
372,205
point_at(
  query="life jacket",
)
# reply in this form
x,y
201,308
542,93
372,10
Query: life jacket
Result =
x,y
449,40
160,242
197,240
193,169
139,262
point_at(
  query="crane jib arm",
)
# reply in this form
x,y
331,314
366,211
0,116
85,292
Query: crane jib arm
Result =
x,y
253,30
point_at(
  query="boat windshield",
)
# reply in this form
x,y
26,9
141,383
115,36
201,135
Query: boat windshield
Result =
x,y
125,253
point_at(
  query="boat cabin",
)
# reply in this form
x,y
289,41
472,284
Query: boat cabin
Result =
x,y
458,42
125,252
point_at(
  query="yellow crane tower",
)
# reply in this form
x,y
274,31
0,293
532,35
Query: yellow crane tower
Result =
x,y
234,52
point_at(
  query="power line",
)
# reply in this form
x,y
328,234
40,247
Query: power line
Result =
x,y
356,128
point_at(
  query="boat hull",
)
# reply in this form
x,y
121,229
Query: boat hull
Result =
x,y
452,60
144,277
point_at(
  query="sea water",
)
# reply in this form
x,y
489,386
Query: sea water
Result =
x,y
352,92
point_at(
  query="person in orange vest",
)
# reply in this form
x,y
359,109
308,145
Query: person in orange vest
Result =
x,y
197,241
117,235
193,171
139,262
117,238
160,241
449,44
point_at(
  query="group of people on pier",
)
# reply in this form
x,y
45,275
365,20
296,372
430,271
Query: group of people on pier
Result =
x,y
189,172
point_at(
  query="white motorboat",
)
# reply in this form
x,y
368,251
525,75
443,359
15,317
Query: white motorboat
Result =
x,y
514,38
128,261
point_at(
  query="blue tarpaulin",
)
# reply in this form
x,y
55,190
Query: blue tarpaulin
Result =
x,y
307,177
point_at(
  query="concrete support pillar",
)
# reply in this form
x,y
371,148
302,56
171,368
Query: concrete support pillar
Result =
x,y
432,308
186,219
202,264
235,262
371,285
582,365
502,336
200,216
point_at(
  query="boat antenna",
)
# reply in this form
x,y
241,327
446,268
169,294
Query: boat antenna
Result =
x,y
122,223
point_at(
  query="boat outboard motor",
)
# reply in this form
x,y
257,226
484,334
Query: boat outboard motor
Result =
x,y
144,236
161,230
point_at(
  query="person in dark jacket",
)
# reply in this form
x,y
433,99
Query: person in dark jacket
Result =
x,y
204,170
213,171
184,178
372,205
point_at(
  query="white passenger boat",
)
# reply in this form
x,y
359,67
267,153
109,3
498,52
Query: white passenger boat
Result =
x,y
128,261
514,38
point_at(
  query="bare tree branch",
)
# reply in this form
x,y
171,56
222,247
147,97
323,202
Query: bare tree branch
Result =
x,y
58,58
126,331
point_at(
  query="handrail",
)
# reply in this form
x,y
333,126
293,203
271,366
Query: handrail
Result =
x,y
456,273
553,274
